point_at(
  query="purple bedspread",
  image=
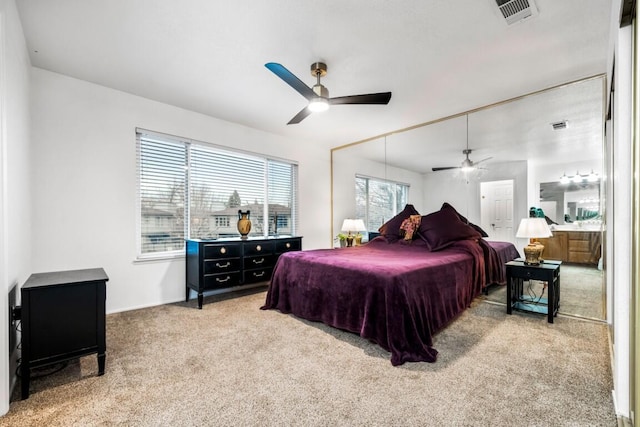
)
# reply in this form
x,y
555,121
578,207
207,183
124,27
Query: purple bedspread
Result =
x,y
396,295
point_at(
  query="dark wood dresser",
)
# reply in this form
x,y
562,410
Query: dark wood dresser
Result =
x,y
63,317
225,263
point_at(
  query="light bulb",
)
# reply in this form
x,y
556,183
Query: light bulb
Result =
x,y
319,104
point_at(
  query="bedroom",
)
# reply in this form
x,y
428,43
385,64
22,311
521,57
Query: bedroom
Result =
x,y
81,132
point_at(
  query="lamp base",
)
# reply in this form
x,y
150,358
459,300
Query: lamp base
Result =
x,y
349,240
533,253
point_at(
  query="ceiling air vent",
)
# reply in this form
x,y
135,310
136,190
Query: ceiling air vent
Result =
x,y
516,10
559,125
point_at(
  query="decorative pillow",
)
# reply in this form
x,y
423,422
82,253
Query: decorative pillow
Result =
x,y
391,228
446,205
409,226
442,228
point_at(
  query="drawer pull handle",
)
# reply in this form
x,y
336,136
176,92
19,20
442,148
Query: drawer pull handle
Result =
x,y
288,245
260,261
258,248
258,274
223,250
223,265
226,279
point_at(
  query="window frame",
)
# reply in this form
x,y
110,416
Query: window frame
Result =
x,y
141,134
395,207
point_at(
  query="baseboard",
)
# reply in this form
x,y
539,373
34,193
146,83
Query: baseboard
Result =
x,y
181,299
624,422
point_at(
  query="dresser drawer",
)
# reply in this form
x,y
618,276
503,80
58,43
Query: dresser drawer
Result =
x,y
258,248
286,245
214,266
528,273
579,246
257,275
260,261
224,280
221,250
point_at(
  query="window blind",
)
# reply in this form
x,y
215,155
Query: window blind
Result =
x,y
162,167
379,200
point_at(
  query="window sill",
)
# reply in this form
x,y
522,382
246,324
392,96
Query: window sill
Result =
x,y
141,259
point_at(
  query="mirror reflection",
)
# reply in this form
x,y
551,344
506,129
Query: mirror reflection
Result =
x,y
572,203
522,149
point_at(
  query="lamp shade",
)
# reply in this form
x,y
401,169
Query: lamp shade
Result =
x,y
533,227
353,225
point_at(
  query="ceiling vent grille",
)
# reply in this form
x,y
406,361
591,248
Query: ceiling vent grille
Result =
x,y
559,125
516,10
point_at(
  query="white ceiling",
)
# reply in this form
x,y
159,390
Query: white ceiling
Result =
x,y
517,130
438,57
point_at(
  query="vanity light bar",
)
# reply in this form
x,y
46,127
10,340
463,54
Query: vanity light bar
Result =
x,y
577,178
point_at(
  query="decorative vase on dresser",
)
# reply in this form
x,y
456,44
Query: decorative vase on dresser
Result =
x,y
244,223
225,263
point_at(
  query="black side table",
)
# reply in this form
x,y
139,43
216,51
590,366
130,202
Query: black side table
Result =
x,y
518,272
63,317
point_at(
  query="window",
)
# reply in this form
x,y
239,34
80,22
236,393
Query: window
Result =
x,y
222,221
190,189
379,200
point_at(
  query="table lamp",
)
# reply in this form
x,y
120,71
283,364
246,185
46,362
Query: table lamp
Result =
x,y
533,228
352,226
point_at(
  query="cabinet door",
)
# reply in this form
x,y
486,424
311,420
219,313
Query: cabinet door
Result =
x,y
555,247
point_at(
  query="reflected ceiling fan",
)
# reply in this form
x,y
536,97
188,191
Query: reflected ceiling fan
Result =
x,y
467,164
318,96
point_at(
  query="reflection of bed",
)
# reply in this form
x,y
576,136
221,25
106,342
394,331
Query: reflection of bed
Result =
x,y
393,293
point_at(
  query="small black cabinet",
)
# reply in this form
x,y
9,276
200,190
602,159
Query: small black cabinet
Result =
x,y
224,263
518,272
63,317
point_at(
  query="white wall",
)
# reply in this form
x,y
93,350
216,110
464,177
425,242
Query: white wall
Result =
x,y
84,178
15,235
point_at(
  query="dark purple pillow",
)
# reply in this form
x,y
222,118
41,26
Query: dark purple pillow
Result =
x,y
391,228
441,228
483,233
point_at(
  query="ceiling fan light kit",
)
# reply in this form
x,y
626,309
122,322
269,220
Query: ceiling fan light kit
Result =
x,y
318,96
318,105
467,165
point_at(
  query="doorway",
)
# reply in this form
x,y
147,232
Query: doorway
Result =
x,y
496,210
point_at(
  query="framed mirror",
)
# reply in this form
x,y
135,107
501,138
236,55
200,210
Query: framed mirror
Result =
x,y
525,143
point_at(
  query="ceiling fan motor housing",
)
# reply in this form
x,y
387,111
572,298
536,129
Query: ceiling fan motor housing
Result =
x,y
321,91
318,69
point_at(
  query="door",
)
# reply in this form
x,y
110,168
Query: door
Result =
x,y
496,210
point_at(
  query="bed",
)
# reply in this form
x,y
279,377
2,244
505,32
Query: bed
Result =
x,y
393,291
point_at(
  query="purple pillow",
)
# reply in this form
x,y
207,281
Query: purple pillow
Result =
x,y
442,228
391,228
483,233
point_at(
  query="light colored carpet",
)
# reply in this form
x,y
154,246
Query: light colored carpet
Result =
x,y
581,291
231,364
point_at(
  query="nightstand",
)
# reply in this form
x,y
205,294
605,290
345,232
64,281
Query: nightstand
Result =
x,y
518,272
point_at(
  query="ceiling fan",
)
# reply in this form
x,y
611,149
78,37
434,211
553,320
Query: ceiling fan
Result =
x,y
467,164
318,96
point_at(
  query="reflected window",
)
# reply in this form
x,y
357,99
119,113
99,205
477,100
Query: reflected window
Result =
x,y
379,200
